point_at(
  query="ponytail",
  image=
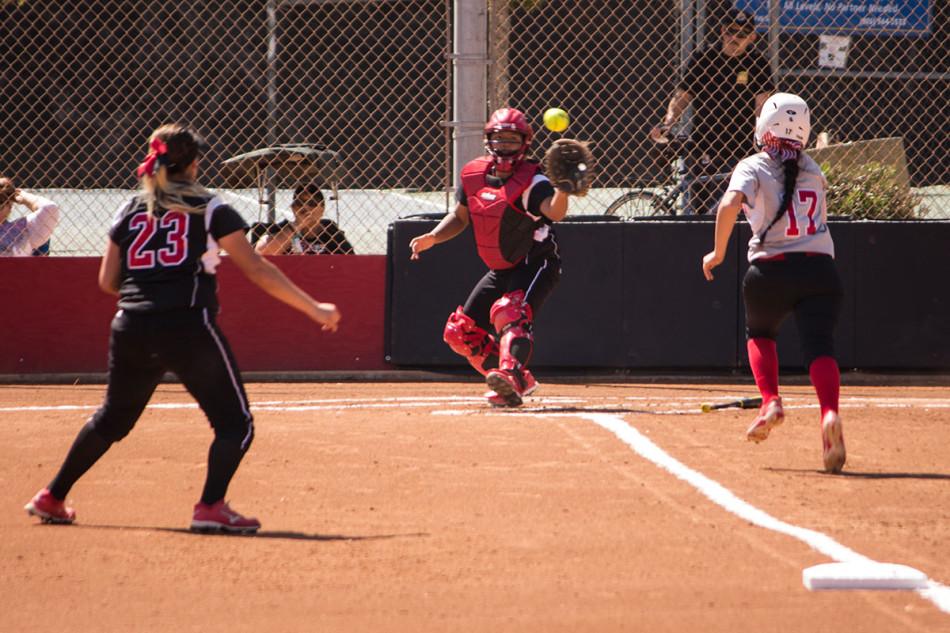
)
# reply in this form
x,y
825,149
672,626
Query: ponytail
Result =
x,y
787,151
172,149
791,176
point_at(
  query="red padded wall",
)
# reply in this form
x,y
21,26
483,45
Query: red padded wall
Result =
x,y
54,319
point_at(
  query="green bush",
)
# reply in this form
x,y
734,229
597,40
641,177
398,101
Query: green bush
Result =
x,y
870,192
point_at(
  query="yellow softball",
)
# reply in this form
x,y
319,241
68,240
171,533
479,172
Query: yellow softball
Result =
x,y
556,119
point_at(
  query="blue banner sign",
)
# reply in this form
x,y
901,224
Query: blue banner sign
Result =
x,y
847,17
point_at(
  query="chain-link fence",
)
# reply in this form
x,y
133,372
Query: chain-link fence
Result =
x,y
85,83
372,82
875,73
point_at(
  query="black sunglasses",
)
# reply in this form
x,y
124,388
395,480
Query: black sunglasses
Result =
x,y
311,189
738,31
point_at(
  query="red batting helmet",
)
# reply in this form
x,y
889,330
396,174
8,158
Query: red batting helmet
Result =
x,y
508,120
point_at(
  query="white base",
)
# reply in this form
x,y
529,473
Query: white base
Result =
x,y
863,576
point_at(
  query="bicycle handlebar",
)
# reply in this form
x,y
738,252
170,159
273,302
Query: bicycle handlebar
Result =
x,y
676,145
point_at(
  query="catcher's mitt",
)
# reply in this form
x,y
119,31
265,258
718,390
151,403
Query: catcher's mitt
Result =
x,y
569,164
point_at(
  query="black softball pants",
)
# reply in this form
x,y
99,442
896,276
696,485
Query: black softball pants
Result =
x,y
803,284
537,278
142,347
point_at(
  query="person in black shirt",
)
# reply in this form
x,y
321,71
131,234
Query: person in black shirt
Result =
x,y
310,233
160,261
726,84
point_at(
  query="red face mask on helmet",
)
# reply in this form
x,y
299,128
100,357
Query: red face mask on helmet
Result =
x,y
508,120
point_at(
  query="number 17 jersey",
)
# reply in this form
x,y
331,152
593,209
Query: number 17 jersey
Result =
x,y
169,262
803,226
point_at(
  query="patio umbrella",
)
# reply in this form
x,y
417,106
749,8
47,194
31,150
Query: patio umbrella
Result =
x,y
284,167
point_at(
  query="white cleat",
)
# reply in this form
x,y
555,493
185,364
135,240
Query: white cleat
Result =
x,y
832,440
770,415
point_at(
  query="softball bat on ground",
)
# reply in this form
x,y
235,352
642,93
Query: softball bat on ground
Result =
x,y
741,403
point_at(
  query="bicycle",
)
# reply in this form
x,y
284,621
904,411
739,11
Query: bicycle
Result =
x,y
669,198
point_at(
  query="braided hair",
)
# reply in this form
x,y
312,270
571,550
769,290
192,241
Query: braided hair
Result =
x,y
787,151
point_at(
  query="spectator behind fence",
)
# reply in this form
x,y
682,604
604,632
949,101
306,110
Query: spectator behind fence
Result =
x,y
26,235
310,233
726,83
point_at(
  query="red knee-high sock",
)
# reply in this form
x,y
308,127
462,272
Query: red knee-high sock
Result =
x,y
827,382
763,358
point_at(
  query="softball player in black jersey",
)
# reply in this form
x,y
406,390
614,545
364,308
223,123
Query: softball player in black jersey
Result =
x,y
160,261
791,265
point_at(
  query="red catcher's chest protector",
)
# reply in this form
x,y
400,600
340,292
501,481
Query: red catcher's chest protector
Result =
x,y
503,234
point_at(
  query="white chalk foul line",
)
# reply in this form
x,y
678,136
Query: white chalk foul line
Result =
x,y
538,406
306,405
934,591
660,405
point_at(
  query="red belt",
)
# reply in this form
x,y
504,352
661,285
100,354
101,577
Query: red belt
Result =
x,y
783,256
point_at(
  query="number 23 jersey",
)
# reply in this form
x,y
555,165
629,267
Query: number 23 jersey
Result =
x,y
803,226
169,262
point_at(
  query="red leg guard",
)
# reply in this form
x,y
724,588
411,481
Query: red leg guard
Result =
x,y
468,340
521,338
511,308
511,317
763,358
826,378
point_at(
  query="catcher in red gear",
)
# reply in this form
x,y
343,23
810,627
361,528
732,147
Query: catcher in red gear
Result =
x,y
511,206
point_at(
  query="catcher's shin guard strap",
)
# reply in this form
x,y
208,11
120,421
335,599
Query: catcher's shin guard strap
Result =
x,y
468,340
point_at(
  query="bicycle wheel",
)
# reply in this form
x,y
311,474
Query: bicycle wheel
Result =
x,y
635,204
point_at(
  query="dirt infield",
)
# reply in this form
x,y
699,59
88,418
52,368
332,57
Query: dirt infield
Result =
x,y
415,507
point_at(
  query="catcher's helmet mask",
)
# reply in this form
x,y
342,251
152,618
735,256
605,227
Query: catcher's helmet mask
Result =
x,y
508,120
